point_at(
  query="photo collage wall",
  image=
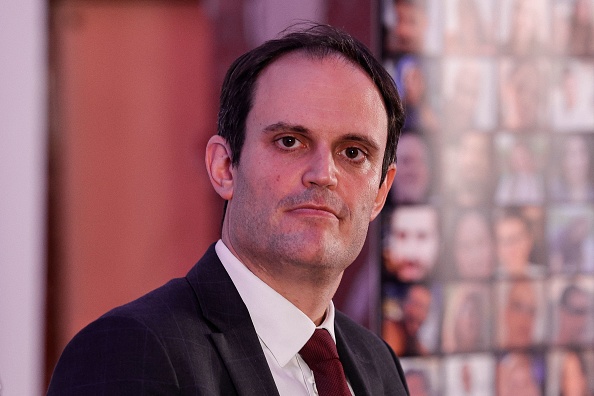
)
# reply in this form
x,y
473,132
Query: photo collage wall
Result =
x,y
488,233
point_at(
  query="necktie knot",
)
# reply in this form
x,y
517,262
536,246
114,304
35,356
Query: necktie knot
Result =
x,y
321,356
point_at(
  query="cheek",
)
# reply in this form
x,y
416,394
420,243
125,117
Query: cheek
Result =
x,y
428,250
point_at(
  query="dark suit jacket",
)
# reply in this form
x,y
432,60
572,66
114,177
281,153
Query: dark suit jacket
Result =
x,y
194,336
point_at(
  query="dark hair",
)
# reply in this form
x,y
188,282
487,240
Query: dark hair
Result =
x,y
316,40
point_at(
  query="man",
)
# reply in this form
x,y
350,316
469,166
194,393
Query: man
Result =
x,y
304,157
412,247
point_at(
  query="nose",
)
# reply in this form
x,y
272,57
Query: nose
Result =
x,y
321,169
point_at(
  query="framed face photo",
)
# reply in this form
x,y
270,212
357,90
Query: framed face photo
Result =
x,y
570,372
573,27
524,27
519,242
468,27
520,373
571,169
467,170
414,180
521,319
571,239
422,375
411,243
469,94
523,92
521,161
411,26
572,308
572,95
469,375
416,79
410,319
469,234
466,325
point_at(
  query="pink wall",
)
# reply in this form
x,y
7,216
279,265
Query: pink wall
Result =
x,y
135,104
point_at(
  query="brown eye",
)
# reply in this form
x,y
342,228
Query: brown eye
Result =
x,y
288,141
352,152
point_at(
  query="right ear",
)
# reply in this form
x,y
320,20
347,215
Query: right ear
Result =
x,y
218,166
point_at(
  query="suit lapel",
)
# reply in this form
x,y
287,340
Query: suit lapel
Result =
x,y
353,363
234,337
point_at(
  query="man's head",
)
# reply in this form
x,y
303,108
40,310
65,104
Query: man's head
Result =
x,y
304,157
317,41
413,244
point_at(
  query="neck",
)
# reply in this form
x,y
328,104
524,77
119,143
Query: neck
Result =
x,y
310,289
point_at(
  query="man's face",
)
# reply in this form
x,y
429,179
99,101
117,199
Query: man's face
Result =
x,y
413,243
307,185
514,244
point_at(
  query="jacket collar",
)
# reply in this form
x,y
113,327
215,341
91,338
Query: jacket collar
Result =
x,y
233,333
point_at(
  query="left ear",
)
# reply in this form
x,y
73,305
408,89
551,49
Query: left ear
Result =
x,y
383,191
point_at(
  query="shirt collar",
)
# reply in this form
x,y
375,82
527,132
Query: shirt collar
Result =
x,y
281,326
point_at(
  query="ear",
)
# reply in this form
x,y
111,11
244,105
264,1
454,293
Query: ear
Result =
x,y
218,166
382,192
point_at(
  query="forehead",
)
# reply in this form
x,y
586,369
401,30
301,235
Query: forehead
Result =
x,y
299,87
419,218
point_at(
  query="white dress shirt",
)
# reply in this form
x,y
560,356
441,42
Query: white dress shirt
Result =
x,y
281,327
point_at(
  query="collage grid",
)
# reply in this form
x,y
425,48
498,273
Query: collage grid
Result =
x,y
488,233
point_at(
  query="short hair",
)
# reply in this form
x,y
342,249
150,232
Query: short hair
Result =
x,y
316,40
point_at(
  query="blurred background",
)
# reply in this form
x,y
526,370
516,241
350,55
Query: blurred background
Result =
x,y
480,270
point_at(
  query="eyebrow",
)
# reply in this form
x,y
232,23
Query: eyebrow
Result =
x,y
353,137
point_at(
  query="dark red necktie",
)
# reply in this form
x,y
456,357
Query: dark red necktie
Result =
x,y
321,356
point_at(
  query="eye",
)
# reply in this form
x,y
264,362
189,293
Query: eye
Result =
x,y
354,154
288,142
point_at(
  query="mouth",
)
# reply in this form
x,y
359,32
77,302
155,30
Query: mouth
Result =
x,y
316,210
